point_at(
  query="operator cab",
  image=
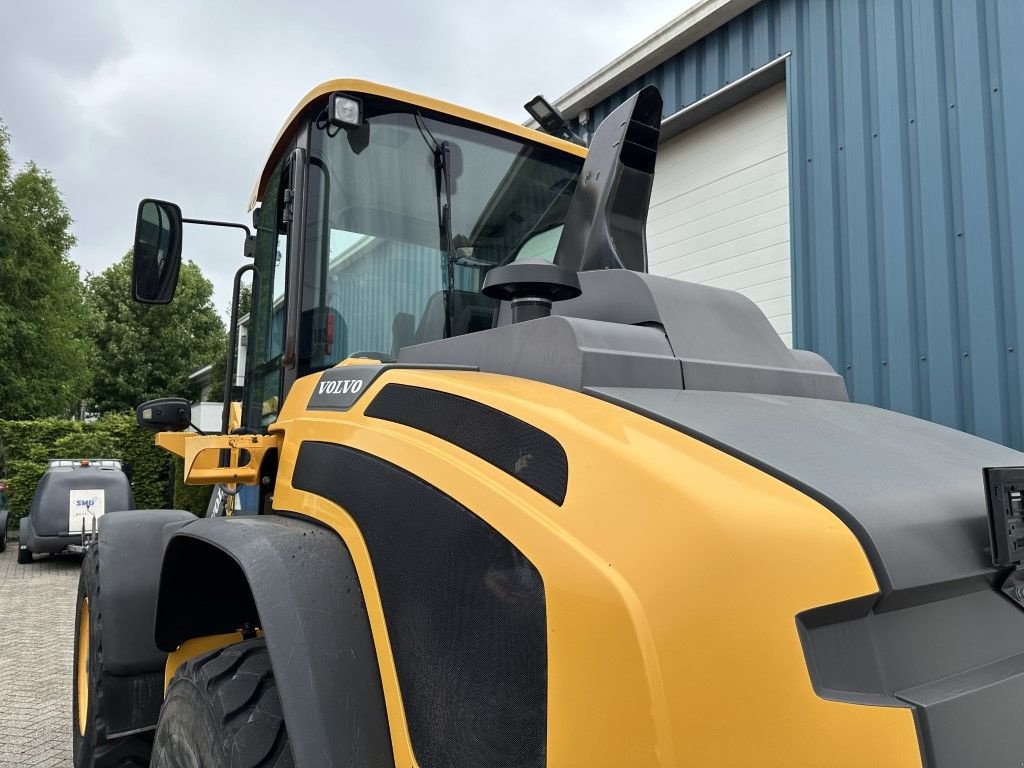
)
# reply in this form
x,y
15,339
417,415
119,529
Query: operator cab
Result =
x,y
380,214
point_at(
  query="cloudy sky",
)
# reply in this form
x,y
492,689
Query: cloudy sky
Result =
x,y
122,100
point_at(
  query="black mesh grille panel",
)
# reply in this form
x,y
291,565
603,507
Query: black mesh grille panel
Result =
x,y
464,608
531,456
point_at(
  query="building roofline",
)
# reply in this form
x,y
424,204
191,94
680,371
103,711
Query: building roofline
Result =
x,y
200,372
698,20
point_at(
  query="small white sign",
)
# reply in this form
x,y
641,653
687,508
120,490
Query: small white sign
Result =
x,y
85,506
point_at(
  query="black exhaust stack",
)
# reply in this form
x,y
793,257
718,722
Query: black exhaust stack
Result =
x,y
604,228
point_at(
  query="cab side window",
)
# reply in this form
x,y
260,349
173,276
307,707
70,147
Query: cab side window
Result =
x,y
269,311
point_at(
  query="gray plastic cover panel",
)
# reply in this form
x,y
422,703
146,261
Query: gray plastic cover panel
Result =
x,y
972,718
565,351
61,487
910,490
702,322
722,341
958,662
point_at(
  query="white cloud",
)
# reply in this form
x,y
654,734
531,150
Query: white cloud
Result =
x,y
122,100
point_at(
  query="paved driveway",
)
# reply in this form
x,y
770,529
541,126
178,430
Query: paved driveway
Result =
x,y
37,616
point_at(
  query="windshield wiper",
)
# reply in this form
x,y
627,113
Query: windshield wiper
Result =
x,y
442,152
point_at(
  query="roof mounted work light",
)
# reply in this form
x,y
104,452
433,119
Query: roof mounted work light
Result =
x,y
550,119
345,111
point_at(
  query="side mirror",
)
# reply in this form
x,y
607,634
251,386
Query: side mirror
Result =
x,y
166,414
157,252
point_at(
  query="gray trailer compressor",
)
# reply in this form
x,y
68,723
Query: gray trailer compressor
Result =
x,y
71,497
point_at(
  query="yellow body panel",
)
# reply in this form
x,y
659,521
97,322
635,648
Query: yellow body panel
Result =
x,y
202,453
673,574
234,416
357,87
195,646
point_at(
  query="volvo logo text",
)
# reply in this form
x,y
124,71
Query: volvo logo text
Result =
x,y
342,386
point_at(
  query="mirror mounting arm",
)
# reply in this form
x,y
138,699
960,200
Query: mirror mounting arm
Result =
x,y
212,223
250,238
156,253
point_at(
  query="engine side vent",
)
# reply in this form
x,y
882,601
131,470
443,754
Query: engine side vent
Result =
x,y
465,612
531,456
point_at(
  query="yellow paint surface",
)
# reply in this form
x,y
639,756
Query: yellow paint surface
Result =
x,y
673,574
195,646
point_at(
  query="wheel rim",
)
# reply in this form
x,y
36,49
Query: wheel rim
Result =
x,y
82,666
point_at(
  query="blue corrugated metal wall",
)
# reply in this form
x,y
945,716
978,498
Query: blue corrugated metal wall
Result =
x,y
907,191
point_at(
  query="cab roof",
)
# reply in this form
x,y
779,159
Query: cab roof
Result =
x,y
356,86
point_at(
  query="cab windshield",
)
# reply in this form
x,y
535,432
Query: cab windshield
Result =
x,y
383,269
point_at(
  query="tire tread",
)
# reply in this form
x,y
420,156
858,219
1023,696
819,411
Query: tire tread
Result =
x,y
237,684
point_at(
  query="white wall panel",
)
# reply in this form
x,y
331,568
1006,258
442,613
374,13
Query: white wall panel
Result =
x,y
720,205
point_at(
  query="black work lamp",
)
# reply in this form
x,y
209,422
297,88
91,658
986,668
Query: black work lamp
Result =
x,y
345,111
550,119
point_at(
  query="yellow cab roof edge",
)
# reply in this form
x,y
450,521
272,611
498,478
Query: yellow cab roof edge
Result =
x,y
376,89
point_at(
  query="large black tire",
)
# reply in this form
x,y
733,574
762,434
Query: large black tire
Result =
x,y
91,747
24,555
222,711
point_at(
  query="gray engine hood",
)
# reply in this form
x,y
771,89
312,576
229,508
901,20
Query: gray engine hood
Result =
x,y
910,490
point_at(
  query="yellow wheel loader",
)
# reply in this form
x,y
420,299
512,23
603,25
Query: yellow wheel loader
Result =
x,y
516,502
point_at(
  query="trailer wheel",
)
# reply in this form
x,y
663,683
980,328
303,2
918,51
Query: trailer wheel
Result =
x,y
91,748
24,553
222,709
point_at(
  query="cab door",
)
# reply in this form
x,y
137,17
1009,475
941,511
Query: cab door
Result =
x,y
271,355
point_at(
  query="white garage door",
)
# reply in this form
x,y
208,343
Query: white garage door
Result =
x,y
720,205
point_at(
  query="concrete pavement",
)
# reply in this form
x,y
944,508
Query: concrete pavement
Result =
x,y
37,616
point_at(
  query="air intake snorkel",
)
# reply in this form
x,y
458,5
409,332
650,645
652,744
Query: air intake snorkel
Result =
x,y
604,227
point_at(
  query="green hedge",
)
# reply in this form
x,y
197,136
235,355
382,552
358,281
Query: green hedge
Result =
x,y
194,498
25,447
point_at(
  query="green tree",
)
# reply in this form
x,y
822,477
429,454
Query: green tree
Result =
x,y
43,347
244,300
145,351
